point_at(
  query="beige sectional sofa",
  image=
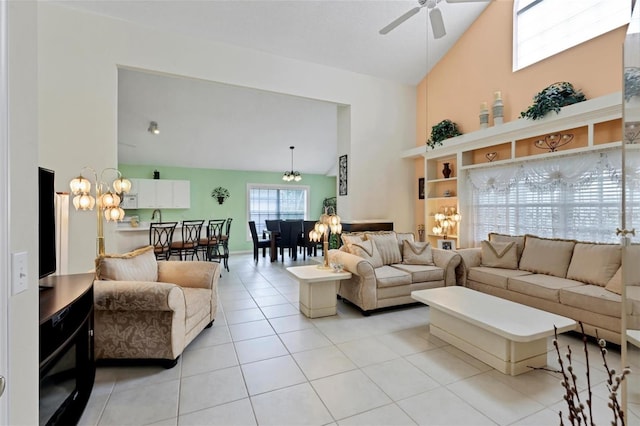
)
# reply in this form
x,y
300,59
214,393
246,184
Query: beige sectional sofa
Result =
x,y
386,267
575,279
145,309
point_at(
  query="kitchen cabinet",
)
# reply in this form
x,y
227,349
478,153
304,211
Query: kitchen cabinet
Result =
x,y
160,194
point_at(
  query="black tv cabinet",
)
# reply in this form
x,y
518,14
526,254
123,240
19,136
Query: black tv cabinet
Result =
x,y
67,364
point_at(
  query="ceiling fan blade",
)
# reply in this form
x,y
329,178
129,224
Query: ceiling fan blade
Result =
x,y
437,24
400,20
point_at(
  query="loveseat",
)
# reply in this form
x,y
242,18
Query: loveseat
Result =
x,y
387,266
145,309
578,280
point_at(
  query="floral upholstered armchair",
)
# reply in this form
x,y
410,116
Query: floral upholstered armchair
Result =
x,y
145,309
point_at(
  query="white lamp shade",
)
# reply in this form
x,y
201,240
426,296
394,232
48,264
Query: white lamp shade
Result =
x,y
109,199
84,202
80,185
122,185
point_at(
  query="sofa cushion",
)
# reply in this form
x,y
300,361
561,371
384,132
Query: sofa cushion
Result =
x,y
592,298
495,277
388,276
594,263
368,251
542,286
387,245
500,255
198,304
422,273
417,253
138,265
546,256
502,238
402,237
633,298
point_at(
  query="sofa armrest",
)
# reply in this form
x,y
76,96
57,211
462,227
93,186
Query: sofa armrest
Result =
x,y
352,263
137,296
189,273
471,257
447,260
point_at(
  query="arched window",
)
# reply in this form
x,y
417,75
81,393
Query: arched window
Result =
x,y
542,28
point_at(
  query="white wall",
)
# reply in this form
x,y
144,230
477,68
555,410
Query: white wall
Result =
x,y
78,57
23,218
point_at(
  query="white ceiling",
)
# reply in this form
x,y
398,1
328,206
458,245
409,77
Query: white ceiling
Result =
x,y
341,34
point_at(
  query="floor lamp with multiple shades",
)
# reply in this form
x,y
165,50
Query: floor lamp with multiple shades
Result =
x,y
107,197
327,223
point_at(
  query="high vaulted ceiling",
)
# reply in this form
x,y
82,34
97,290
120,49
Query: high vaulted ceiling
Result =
x,y
341,34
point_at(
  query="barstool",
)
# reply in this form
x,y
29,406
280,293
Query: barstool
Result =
x,y
161,237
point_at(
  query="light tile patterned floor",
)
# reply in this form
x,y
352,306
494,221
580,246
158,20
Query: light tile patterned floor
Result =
x,y
264,363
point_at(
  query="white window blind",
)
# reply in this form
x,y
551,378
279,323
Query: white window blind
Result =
x,y
542,28
268,202
577,197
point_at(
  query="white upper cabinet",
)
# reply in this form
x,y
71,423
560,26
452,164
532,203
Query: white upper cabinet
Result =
x,y
161,194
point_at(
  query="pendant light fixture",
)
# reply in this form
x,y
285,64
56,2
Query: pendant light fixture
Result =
x,y
289,176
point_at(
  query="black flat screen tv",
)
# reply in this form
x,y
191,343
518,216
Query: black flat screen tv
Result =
x,y
46,222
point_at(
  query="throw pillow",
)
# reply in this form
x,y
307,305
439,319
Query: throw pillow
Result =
x,y
546,255
499,255
594,263
138,265
417,253
387,245
503,238
615,283
402,236
368,251
349,238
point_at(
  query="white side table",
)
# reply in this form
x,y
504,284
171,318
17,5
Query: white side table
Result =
x,y
318,289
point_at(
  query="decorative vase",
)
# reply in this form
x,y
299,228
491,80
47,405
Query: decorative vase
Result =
x,y
156,174
220,200
498,110
484,115
446,172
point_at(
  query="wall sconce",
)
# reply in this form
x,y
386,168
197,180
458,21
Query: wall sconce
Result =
x,y
327,223
153,128
553,141
106,197
446,221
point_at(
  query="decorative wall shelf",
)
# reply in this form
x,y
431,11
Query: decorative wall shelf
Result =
x,y
596,124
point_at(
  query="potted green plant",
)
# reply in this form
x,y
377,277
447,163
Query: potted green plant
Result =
x,y
552,98
443,130
220,194
631,83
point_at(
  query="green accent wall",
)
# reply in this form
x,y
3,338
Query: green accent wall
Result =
x,y
204,207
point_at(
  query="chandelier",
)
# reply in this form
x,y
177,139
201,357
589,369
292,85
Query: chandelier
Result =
x,y
446,221
292,175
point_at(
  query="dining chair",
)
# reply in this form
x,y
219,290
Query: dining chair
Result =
x,y
161,237
294,237
258,243
190,238
209,244
224,243
308,247
284,242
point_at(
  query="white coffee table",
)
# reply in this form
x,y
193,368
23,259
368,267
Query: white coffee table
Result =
x,y
318,289
508,336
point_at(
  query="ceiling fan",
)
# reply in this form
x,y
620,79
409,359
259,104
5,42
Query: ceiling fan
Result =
x,y
435,16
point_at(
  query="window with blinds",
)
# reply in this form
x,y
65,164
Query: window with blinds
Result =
x,y
542,28
266,202
577,197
